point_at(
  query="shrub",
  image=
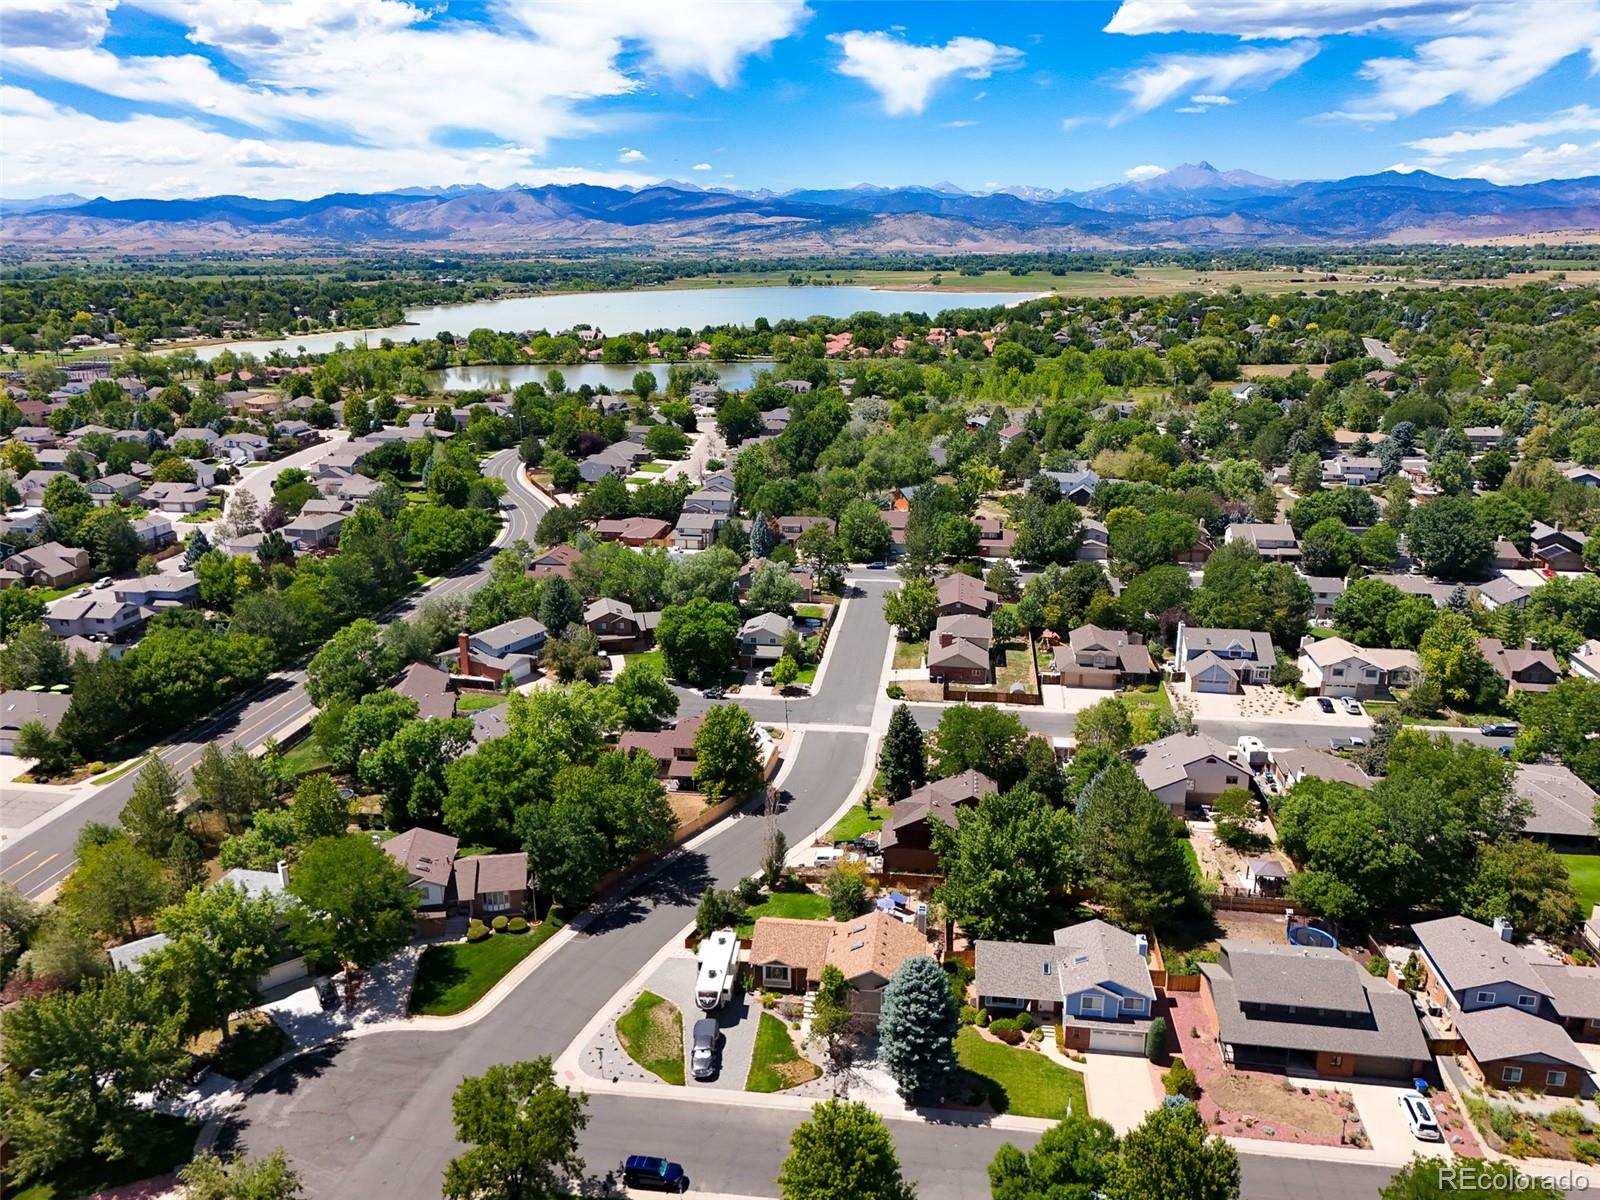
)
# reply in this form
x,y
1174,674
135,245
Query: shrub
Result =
x,y
1179,1080
1568,1122
983,1017
477,931
1411,973
750,889
969,1015
517,925
1024,1021
1155,1039
1503,1121
895,691
1377,966
1006,1030
500,923
1586,1150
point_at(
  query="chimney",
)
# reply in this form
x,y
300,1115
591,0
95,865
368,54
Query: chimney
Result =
x,y
463,653
1502,926
283,872
1141,943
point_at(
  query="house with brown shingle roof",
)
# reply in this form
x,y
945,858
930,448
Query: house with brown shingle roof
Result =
x,y
907,838
964,594
866,950
430,688
1525,669
479,885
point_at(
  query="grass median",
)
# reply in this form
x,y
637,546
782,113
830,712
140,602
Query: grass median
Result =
x,y
776,1064
652,1034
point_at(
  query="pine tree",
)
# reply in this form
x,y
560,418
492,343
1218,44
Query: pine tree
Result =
x,y
560,606
761,540
917,1028
197,547
903,759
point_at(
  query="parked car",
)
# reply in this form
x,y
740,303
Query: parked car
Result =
x,y
103,582
703,1048
1498,729
876,565
1325,704
658,1174
1346,743
1419,1116
80,594
1351,707
714,693
766,677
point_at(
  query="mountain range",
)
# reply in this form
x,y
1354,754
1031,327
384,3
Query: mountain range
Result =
x,y
1190,205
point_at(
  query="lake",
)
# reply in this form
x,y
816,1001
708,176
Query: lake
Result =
x,y
628,311
734,375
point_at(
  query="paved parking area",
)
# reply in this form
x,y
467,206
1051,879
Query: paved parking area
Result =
x,y
1121,1088
674,979
1385,1123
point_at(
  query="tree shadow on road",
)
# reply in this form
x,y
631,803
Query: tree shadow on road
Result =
x,y
677,883
284,1081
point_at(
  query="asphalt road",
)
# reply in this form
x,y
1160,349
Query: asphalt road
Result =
x,y
40,859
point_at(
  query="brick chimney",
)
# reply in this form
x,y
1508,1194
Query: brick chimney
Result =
x,y
463,653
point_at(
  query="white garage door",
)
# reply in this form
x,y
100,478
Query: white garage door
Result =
x,y
1117,1041
1217,683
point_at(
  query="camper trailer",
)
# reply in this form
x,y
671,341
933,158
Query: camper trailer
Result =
x,y
719,967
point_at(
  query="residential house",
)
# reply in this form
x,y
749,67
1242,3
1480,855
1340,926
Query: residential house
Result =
x,y
718,481
19,708
176,497
1501,592
672,749
316,530
995,541
617,625
761,640
1096,544
242,447
978,630
1106,658
430,688
200,433
1352,470
1563,805
1282,1006
634,531
97,615
789,529
511,649
801,578
714,501
1274,542
154,531
1557,549
554,563
897,519
1587,476
1285,768
1223,660
1585,661
697,530
1502,1005
1186,770
1093,978
170,587
965,594
1078,486
1325,593
114,489
50,565
788,955
1524,670
955,658
1483,437
484,886
1335,667
906,841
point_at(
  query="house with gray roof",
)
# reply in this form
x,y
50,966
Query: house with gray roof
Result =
x,y
1186,770
761,640
98,614
114,489
1223,660
1562,804
19,708
50,564
316,530
1093,978
512,649
1281,1006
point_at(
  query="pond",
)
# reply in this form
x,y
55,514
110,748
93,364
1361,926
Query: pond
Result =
x,y
628,311
733,375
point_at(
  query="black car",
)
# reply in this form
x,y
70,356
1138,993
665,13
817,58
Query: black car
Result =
x,y
658,1174
1498,729
1325,704
714,693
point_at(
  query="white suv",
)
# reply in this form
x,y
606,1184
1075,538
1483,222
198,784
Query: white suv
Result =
x,y
1420,1120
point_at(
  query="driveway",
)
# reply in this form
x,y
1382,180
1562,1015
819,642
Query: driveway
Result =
x,y
1385,1123
1121,1090
737,1019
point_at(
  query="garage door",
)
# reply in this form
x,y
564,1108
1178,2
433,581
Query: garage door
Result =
x,y
1214,684
1117,1041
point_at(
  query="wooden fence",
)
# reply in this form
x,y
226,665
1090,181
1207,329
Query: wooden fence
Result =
x,y
990,696
1238,900
1182,983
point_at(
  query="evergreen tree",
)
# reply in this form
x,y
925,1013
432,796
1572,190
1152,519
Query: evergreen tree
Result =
x,y
917,1028
1130,848
560,606
151,815
196,548
903,759
761,539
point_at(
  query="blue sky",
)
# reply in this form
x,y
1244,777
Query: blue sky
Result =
x,y
303,97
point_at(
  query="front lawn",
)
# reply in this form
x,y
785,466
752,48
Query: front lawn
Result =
x,y
793,901
908,656
1584,871
1012,667
471,702
256,1041
454,977
857,822
1023,1083
170,1145
304,757
811,612
210,513
652,1034
652,468
776,1064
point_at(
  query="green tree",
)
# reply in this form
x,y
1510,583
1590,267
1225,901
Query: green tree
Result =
x,y
51,754
1104,724
151,817
1071,1161
864,535
61,953
1130,849
521,1128
844,1152
1006,865
647,700
727,758
353,729
1525,881
233,784
1169,1154
718,909
352,663
1452,660
913,610
318,810
33,657
903,760
846,889
771,590
981,738
1352,865
784,672
698,640
355,905
1328,548
270,1177
559,606
222,941
20,608
114,886
409,768
1448,538
77,1061
1463,1179
1559,722
917,1028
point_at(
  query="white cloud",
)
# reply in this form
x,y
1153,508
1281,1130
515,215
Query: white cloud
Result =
x,y
1192,108
701,167
390,75
1212,100
1147,171
906,76
958,124
1512,136
1068,124
1275,19
1569,160
1172,75
629,156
